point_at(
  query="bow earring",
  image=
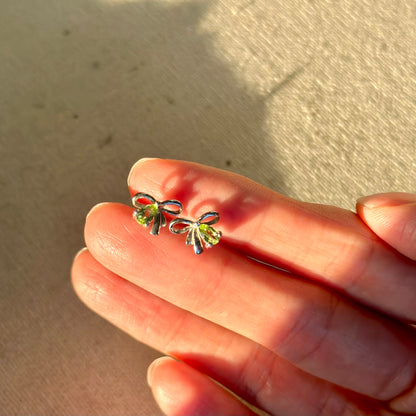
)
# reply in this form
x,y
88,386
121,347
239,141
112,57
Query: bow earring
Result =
x,y
199,231
153,211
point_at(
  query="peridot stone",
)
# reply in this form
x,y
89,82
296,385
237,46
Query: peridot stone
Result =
x,y
146,214
209,234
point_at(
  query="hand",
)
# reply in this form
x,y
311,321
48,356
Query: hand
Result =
x,y
326,331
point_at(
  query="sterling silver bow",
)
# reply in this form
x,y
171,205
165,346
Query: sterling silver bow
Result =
x,y
198,231
154,211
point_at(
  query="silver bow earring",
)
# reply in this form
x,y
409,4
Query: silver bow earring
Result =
x,y
153,211
198,231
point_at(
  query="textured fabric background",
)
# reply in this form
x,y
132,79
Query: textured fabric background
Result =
x,y
315,99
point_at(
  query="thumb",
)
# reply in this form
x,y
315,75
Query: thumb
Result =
x,y
392,216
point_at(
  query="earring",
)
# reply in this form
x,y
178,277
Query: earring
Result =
x,y
198,231
154,211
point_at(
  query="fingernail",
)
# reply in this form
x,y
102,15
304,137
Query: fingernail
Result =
x,y
149,376
151,368
139,162
386,200
80,252
404,404
96,207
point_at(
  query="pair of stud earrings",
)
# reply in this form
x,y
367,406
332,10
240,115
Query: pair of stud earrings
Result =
x,y
152,212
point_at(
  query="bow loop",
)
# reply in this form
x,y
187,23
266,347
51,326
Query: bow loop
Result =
x,y
203,217
199,231
154,211
180,226
172,202
142,196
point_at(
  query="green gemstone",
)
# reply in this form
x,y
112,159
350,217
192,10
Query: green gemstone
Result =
x,y
145,214
209,234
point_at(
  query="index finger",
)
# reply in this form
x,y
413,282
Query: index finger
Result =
x,y
323,243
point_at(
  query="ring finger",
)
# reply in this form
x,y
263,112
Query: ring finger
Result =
x,y
248,369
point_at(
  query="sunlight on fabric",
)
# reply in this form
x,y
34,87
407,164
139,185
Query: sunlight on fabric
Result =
x,y
118,1
115,2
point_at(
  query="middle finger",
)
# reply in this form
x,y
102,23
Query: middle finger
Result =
x,y
313,328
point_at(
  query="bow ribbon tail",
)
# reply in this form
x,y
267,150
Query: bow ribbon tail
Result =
x,y
197,242
190,238
158,222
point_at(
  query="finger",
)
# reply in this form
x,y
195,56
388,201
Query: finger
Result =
x,y
406,403
311,327
180,390
319,242
392,216
251,371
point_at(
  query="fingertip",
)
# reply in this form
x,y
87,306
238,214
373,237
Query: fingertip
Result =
x,y
136,166
388,199
79,253
79,263
96,208
96,215
405,404
78,259
86,272
392,217
102,225
181,390
153,368
95,286
171,388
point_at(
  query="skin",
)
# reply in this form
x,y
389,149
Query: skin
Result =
x,y
324,328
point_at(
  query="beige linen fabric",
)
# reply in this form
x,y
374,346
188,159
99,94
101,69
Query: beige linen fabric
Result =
x,y
314,99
